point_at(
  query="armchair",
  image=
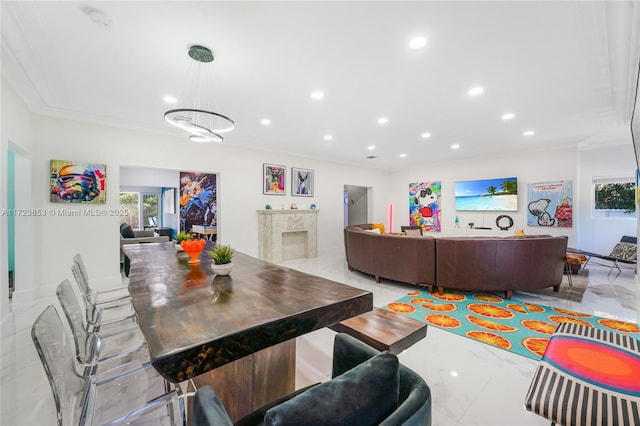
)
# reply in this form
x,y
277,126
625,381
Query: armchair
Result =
x,y
368,388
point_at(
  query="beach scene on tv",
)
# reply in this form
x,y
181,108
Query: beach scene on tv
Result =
x,y
487,195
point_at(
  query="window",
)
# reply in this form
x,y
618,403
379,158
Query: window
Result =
x,y
614,197
143,209
130,202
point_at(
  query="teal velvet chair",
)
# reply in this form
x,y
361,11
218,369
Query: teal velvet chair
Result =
x,y
368,387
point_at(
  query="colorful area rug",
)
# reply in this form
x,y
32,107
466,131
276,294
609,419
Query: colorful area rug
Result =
x,y
519,327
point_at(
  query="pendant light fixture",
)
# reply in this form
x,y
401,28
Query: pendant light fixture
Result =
x,y
202,124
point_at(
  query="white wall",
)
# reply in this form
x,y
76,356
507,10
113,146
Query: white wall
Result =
x,y
16,132
59,236
528,168
598,234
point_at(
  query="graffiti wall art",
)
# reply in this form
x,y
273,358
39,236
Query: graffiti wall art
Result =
x,y
198,200
76,182
550,204
424,206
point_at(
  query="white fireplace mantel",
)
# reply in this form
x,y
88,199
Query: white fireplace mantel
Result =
x,y
287,234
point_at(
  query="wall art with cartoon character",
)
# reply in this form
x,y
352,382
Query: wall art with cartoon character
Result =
x,y
273,179
424,205
76,182
198,200
550,204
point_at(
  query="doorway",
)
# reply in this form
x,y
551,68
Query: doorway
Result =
x,y
356,204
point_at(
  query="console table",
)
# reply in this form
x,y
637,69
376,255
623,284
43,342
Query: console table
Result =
x,y
235,332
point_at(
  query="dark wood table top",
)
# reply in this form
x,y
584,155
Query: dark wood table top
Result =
x,y
195,321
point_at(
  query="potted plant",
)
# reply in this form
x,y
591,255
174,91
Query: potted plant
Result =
x,y
222,256
180,237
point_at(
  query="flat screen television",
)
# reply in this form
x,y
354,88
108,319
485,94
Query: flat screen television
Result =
x,y
499,194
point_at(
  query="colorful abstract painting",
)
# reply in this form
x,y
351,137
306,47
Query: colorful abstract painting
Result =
x,y
424,206
550,204
76,182
198,200
273,179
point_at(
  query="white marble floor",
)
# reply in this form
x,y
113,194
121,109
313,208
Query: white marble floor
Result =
x,y
471,383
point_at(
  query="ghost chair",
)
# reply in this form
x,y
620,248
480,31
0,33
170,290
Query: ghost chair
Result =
x,y
104,311
100,353
108,296
138,396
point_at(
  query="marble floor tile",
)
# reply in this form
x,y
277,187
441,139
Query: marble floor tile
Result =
x,y
471,383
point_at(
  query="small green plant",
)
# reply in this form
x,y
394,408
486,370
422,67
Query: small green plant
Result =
x,y
221,254
183,236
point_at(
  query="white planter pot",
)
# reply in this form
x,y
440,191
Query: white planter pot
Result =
x,y
224,269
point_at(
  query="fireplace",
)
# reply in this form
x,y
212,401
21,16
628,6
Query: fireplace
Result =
x,y
287,234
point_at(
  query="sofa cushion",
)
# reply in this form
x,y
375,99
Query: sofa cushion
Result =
x,y
373,231
624,251
126,231
379,226
413,232
364,395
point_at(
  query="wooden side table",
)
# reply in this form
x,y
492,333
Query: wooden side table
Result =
x,y
383,330
573,259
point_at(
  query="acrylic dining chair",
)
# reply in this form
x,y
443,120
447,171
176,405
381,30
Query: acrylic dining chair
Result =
x,y
138,396
99,353
107,296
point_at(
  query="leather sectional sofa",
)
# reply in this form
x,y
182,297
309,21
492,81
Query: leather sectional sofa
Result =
x,y
462,263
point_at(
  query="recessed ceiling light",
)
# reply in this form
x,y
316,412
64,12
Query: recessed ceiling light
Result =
x,y
417,42
371,147
455,146
425,135
328,137
265,121
170,99
454,373
508,115
383,120
403,155
475,91
529,133
317,94
371,157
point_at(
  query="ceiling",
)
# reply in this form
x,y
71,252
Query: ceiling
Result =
x,y
567,70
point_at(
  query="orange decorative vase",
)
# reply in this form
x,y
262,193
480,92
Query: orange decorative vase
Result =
x,y
193,248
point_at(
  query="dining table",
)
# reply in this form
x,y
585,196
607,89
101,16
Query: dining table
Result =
x,y
237,332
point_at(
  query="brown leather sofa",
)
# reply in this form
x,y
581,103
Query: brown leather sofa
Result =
x,y
500,264
462,263
395,257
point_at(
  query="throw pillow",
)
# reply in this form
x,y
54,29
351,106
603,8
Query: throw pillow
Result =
x,y
379,226
520,233
364,395
126,231
413,232
624,251
373,231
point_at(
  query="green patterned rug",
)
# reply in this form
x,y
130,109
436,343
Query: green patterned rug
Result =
x,y
519,327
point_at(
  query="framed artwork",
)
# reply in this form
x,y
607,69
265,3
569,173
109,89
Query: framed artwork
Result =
x,y
273,179
550,204
198,200
76,182
301,182
424,206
